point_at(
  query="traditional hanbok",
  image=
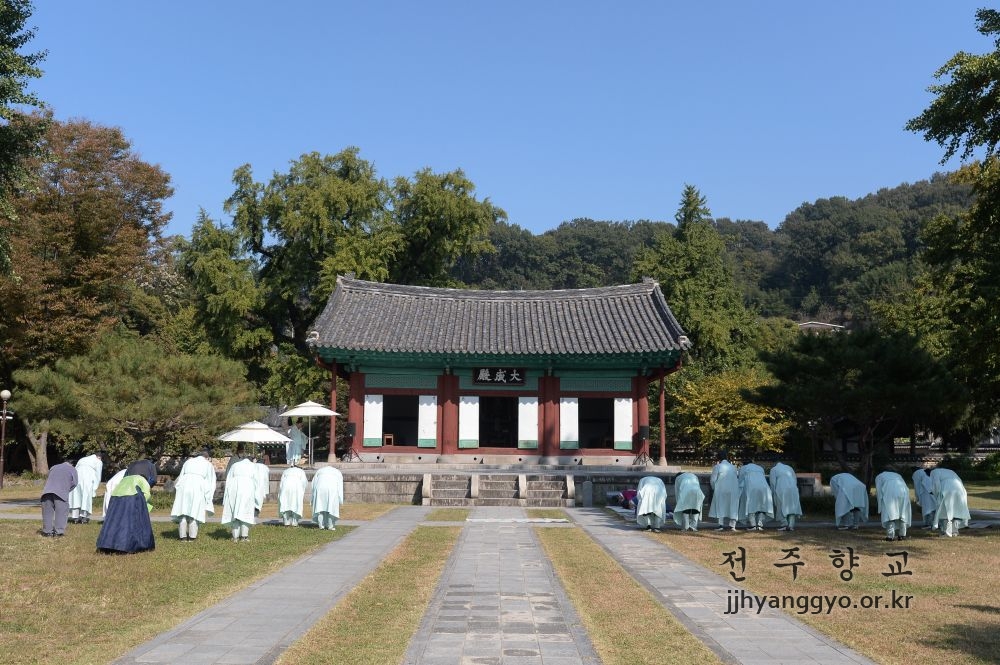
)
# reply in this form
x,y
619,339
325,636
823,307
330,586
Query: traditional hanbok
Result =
x,y
952,501
851,506
327,495
239,500
195,489
895,511
127,528
785,490
263,483
81,499
109,487
295,447
651,503
725,504
688,501
925,497
291,495
756,502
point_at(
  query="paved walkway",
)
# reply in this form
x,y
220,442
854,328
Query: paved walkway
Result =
x,y
256,624
699,599
499,601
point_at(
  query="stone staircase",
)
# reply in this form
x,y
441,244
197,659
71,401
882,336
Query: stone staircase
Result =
x,y
498,489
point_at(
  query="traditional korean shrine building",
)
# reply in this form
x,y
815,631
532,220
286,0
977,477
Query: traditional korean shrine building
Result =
x,y
454,375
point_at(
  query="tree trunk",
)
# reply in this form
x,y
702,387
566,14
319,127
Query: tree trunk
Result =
x,y
38,448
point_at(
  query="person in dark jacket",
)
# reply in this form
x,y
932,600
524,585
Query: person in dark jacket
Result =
x,y
127,528
55,499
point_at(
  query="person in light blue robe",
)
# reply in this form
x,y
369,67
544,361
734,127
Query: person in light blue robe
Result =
x,y
925,497
263,484
895,511
195,489
327,497
239,500
725,505
81,499
785,490
756,502
952,502
651,503
291,495
689,500
851,501
298,444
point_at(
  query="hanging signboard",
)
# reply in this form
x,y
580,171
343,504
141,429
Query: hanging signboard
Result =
x,y
498,376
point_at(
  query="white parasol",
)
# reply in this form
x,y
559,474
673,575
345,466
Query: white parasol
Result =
x,y
254,432
308,410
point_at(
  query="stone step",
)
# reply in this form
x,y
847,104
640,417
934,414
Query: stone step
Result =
x,y
549,503
498,495
545,495
486,501
449,484
546,485
451,502
450,493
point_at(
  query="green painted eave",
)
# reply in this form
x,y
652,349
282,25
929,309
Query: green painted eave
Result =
x,y
351,359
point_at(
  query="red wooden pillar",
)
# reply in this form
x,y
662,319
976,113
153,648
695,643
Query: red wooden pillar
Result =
x,y
663,418
548,399
448,414
332,455
356,407
640,401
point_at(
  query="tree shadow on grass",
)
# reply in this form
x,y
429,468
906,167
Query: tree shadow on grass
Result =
x,y
980,641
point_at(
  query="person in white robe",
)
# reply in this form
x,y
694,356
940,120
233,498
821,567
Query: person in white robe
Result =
x,y
689,500
952,501
81,499
895,511
651,503
725,505
925,497
194,491
298,443
756,502
239,500
327,496
291,495
785,490
263,483
851,501
109,487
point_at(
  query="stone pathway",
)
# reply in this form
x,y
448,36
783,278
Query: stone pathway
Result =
x,y
499,601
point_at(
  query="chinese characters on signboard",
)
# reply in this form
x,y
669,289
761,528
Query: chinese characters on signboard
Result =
x,y
498,376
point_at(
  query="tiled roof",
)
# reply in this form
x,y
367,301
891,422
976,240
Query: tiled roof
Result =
x,y
368,316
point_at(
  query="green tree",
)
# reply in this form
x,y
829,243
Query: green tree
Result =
x,y
881,382
127,397
712,411
19,134
696,278
440,221
962,249
87,229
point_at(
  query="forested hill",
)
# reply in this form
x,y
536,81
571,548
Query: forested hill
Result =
x,y
825,261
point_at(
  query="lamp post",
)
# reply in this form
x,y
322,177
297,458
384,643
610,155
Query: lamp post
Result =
x,y
4,395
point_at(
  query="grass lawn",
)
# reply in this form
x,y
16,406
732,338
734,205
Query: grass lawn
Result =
x,y
953,615
625,623
374,623
61,602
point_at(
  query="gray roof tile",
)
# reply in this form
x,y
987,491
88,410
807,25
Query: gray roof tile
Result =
x,y
369,316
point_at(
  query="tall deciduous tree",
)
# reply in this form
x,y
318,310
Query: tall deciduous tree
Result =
x,y
18,134
962,250
86,229
440,221
696,278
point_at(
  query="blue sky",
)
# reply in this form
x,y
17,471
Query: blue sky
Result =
x,y
555,110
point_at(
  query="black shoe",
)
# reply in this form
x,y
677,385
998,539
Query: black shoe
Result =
x,y
85,520
56,535
45,534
